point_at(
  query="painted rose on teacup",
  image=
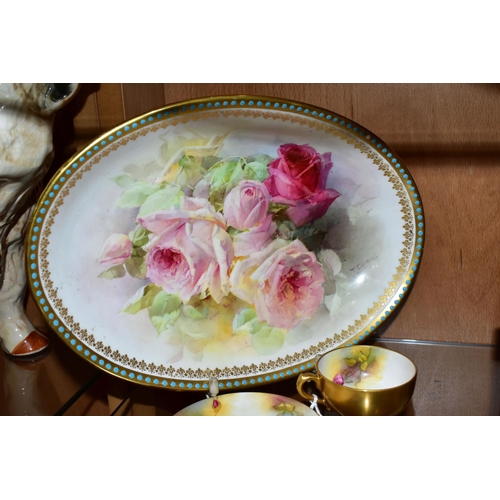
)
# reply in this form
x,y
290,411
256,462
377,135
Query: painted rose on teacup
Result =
x,y
298,178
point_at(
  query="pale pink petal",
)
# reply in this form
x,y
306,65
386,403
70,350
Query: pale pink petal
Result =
x,y
190,209
281,185
116,250
202,189
192,259
288,286
247,204
242,285
312,208
255,239
224,254
327,165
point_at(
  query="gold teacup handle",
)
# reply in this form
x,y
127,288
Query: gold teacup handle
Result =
x,y
309,377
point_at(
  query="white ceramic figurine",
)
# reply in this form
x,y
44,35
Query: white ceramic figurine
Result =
x,y
26,119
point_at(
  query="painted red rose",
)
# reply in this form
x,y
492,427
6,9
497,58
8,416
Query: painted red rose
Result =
x,y
298,178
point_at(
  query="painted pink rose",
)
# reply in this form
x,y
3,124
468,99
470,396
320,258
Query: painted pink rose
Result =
x,y
256,238
116,250
246,205
298,178
191,258
283,282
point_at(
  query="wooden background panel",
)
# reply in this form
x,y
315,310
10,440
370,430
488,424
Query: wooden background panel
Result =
x,y
139,98
431,118
447,135
456,294
96,109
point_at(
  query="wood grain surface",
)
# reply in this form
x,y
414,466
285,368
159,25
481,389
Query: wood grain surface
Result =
x,y
446,134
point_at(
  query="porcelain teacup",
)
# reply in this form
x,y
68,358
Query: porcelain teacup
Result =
x,y
362,380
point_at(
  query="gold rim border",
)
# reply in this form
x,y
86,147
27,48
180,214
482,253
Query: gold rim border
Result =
x,y
183,108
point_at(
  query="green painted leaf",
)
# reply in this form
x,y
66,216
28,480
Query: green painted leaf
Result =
x,y
142,299
134,266
124,181
164,198
244,321
223,172
256,171
260,158
138,252
268,340
161,323
141,172
223,177
114,272
195,313
277,208
139,236
237,174
164,303
136,194
190,172
217,198
209,161
164,310
311,236
233,231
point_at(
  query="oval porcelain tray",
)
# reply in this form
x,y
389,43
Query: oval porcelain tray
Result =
x,y
236,237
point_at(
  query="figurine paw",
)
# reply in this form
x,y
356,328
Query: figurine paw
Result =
x,y
32,344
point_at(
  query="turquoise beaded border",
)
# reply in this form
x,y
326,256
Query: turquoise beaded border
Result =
x,y
178,109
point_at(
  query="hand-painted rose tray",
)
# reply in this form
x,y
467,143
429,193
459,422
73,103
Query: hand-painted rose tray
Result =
x,y
239,404
235,237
